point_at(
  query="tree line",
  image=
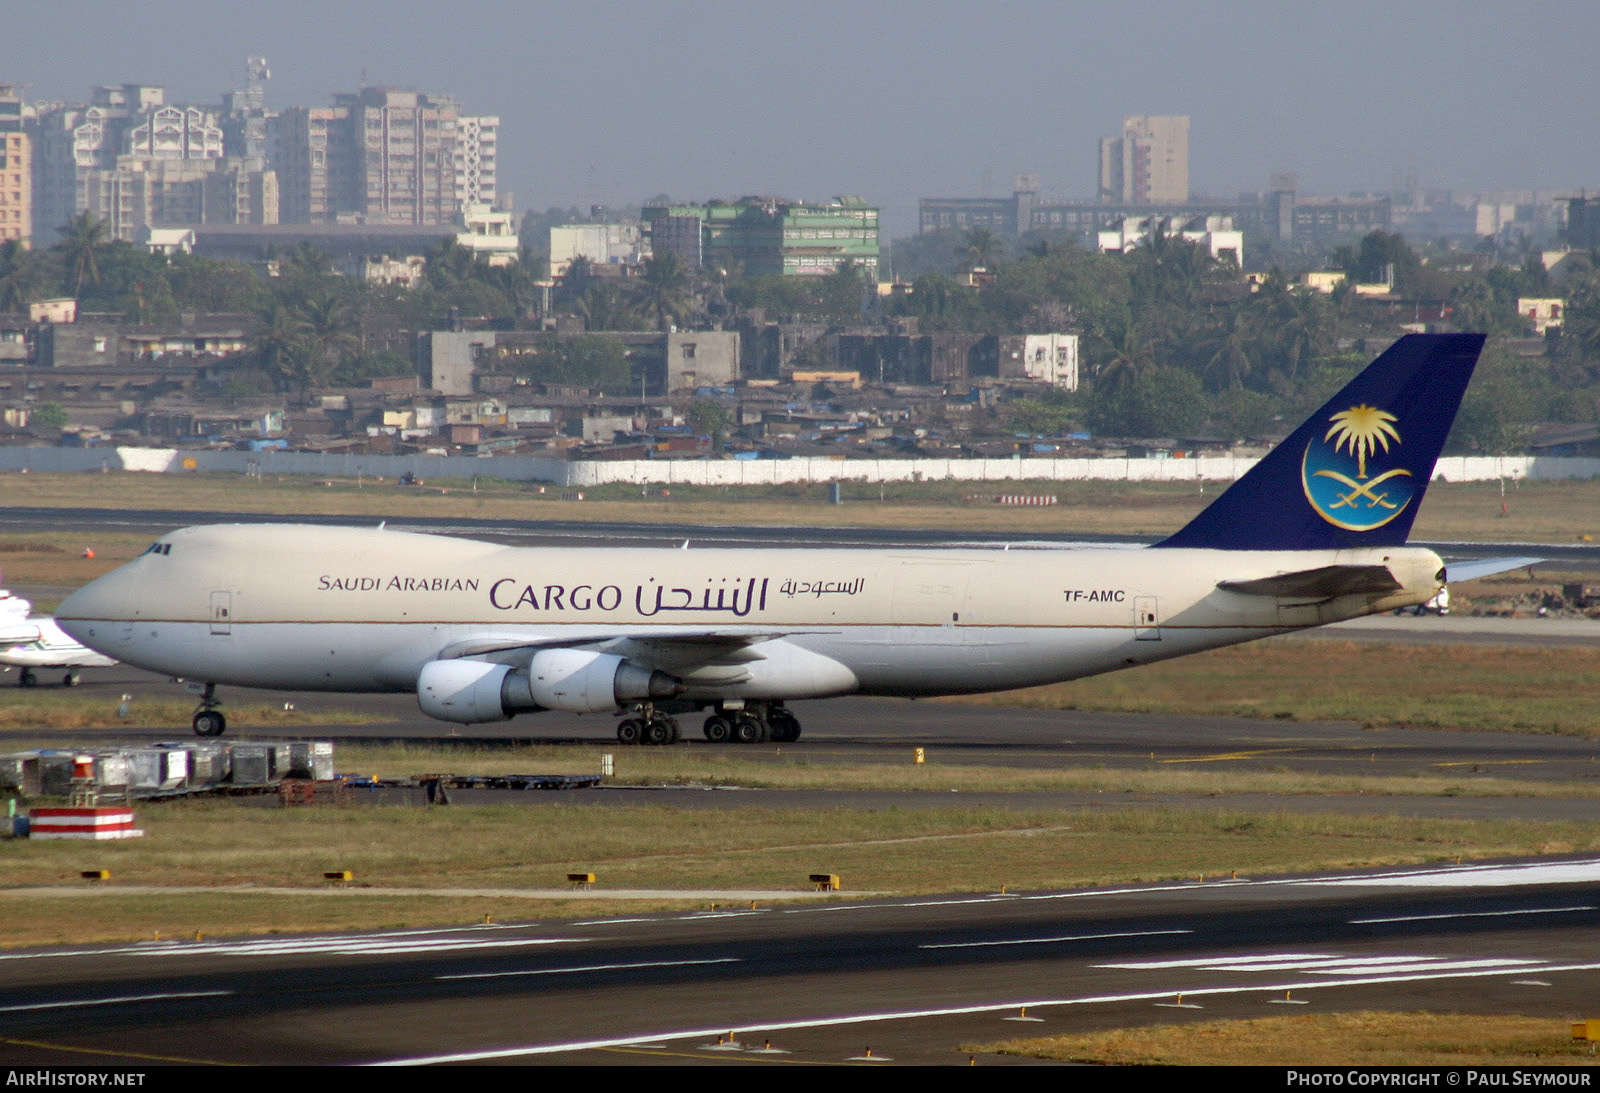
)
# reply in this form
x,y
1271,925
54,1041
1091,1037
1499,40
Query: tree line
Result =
x,y
1173,341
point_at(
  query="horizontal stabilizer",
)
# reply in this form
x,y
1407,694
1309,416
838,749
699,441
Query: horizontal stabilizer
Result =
x,y
1322,583
1486,567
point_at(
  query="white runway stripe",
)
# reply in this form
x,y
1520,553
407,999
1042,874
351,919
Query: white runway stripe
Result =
x,y
350,945
780,1025
596,968
1324,964
1474,914
123,1000
1050,940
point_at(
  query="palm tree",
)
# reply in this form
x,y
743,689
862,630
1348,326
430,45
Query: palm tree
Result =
x,y
19,276
305,262
607,307
82,241
274,343
665,291
448,263
1227,362
979,250
1128,355
327,324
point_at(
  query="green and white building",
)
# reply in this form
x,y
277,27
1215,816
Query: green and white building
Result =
x,y
769,236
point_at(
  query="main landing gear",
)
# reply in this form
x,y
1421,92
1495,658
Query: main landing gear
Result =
x,y
208,719
757,723
648,725
29,678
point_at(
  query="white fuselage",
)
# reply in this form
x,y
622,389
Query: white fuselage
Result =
x,y
344,609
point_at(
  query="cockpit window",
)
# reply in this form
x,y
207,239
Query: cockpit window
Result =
x,y
159,548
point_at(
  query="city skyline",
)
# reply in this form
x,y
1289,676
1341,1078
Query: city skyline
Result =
x,y
615,104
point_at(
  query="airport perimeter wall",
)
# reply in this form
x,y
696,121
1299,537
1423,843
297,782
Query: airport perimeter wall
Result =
x,y
725,472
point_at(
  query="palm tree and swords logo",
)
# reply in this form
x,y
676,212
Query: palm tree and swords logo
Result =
x,y
1334,471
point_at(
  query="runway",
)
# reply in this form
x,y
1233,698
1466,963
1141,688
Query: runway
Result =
x,y
872,983
586,533
887,732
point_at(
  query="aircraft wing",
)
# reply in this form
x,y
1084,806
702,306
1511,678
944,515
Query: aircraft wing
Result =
x,y
18,631
1323,583
669,652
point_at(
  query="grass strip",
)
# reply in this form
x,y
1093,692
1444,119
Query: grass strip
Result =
x,y
221,842
1540,689
813,768
58,710
1365,1038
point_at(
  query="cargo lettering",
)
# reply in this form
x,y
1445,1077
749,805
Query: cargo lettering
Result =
x,y
505,595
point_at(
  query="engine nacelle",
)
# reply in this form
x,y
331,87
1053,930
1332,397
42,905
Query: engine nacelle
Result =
x,y
468,691
582,681
573,680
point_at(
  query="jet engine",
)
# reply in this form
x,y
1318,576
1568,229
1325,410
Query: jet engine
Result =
x,y
574,680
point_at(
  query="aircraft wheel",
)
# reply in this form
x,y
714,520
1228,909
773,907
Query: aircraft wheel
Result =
x,y
785,726
677,730
658,731
210,723
70,679
718,730
749,729
630,731
27,678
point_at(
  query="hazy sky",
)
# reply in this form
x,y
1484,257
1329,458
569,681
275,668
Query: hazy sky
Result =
x,y
616,102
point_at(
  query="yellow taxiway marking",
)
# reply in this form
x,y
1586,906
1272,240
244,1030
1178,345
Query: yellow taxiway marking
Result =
x,y
112,1054
1226,756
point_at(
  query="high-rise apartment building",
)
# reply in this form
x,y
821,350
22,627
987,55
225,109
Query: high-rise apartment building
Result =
x,y
135,161
16,170
377,156
385,156
1148,164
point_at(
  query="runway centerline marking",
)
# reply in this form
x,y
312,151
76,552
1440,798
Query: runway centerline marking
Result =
x,y
337,945
121,1000
1051,940
597,968
1326,964
1474,914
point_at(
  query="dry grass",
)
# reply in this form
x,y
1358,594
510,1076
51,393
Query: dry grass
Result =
x,y
212,843
54,711
1549,689
801,768
1360,1039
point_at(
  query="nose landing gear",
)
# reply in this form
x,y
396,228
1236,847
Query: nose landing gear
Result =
x,y
208,719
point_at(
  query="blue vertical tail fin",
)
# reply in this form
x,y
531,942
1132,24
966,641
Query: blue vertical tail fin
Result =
x,y
1354,474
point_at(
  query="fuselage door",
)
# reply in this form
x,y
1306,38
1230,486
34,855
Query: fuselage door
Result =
x,y
1146,619
221,612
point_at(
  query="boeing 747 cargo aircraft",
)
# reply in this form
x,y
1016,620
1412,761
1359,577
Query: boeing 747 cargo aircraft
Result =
x,y
1313,534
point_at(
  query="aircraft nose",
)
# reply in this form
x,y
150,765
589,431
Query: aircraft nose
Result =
x,y
95,604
